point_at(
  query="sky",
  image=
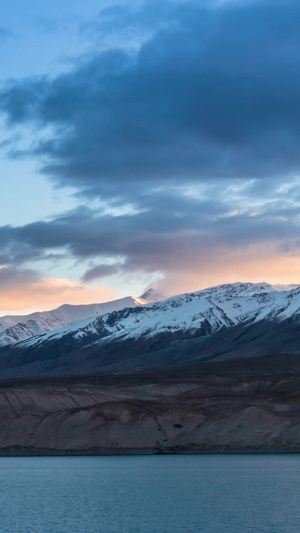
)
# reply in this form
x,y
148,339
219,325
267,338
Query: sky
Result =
x,y
146,143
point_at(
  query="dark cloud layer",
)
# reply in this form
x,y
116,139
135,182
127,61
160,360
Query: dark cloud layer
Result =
x,y
209,99
14,277
213,94
158,237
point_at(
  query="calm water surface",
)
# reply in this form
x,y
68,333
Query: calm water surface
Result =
x,y
167,494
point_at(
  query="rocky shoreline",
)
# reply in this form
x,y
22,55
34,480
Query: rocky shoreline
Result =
x,y
16,451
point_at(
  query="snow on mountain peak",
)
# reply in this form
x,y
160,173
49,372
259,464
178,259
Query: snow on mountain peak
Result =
x,y
212,308
188,315
17,328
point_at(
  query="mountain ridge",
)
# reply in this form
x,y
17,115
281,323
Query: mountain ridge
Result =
x,y
227,321
14,328
19,327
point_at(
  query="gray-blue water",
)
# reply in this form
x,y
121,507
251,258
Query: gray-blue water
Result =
x,y
210,494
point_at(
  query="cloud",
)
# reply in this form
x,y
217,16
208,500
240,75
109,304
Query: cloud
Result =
x,y
128,25
214,93
100,271
194,122
256,263
189,236
173,228
25,291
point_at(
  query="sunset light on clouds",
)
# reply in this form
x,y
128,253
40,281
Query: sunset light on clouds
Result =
x,y
140,146
45,294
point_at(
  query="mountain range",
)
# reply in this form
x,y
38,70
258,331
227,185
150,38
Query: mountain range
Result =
x,y
224,322
18,328
14,328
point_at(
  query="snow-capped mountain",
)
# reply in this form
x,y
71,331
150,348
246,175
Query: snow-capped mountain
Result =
x,y
17,328
212,309
223,321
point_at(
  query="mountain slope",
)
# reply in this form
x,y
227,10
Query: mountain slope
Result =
x,y
196,408
17,328
228,321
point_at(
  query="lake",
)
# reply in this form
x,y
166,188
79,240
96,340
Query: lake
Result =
x,y
151,494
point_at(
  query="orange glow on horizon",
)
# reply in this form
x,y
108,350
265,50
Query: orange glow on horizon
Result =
x,y
255,266
189,273
47,294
